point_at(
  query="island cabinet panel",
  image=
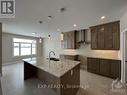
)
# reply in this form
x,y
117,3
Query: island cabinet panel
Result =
x,y
29,71
66,84
106,36
69,40
71,81
107,67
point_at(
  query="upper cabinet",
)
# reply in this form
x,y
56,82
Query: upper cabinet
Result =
x,y
106,36
69,40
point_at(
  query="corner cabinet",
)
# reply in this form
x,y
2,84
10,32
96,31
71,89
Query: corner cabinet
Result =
x,y
69,40
106,67
106,36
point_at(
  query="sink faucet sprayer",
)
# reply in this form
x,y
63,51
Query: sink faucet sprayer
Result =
x,y
50,54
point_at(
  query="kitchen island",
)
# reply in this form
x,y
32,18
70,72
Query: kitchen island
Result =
x,y
62,76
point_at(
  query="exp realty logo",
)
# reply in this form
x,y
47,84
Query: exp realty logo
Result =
x,y
118,86
7,8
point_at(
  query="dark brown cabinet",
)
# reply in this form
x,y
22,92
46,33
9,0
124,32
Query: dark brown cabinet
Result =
x,y
1,48
106,67
91,66
94,34
69,40
106,36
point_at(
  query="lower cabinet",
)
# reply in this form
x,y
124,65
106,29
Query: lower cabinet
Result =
x,y
106,67
93,67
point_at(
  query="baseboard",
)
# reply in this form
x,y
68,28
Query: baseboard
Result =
x,y
9,63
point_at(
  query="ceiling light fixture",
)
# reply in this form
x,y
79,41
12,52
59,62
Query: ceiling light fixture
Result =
x,y
62,36
58,29
49,17
61,10
74,25
40,40
49,37
40,22
33,33
103,17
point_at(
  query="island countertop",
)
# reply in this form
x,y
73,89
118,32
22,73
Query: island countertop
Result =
x,y
56,68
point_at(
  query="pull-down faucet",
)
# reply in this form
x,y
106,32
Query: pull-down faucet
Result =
x,y
50,54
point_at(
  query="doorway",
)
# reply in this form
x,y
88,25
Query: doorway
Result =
x,y
124,56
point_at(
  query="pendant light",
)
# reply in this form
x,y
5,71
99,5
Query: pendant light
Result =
x,y
40,40
62,36
49,37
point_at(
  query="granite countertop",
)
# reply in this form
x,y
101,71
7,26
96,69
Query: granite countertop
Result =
x,y
56,68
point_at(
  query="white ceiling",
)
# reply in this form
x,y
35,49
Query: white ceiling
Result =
x,y
84,13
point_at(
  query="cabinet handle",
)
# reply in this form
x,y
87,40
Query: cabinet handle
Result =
x,y
71,72
102,29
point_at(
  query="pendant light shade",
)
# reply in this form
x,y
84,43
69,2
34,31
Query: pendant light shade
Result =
x,y
40,40
62,36
49,37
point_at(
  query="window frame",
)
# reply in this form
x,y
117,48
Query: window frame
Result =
x,y
24,43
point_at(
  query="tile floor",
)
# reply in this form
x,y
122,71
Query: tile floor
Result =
x,y
13,83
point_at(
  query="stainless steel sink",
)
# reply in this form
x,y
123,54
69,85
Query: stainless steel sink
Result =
x,y
53,59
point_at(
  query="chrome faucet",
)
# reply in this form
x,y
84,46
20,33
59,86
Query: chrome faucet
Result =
x,y
50,54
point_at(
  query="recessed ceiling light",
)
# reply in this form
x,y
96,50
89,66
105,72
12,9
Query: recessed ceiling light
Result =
x,y
40,22
74,25
58,29
49,17
62,9
103,17
33,33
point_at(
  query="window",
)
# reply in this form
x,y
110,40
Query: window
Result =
x,y
24,47
16,49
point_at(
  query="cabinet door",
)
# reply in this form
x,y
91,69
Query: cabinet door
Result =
x,y
115,71
69,40
94,38
104,67
0,48
108,36
73,39
100,39
116,35
64,41
93,65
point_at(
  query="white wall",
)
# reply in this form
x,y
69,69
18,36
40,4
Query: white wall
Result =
x,y
123,24
7,47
